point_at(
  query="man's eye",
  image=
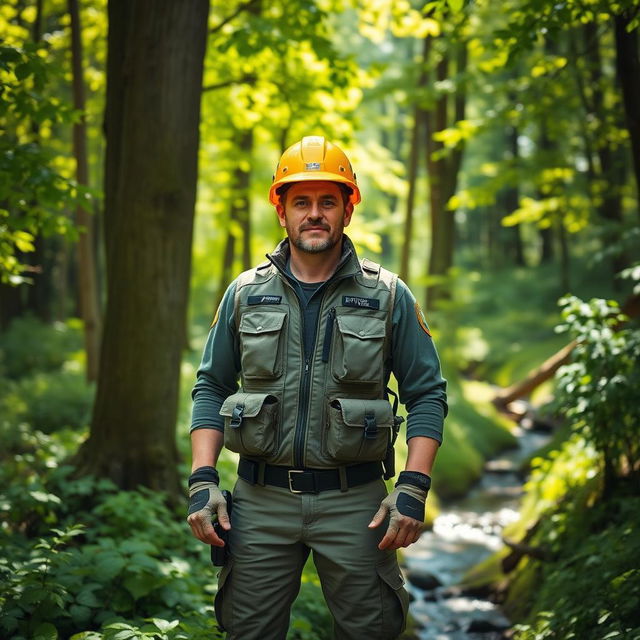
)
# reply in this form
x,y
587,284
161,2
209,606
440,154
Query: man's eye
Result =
x,y
328,203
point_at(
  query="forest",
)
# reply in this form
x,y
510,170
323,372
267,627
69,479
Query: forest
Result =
x,y
497,149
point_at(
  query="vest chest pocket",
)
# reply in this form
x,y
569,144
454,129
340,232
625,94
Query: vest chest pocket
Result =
x,y
250,423
358,430
262,344
358,349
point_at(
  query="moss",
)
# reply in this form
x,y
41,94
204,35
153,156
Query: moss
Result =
x,y
486,574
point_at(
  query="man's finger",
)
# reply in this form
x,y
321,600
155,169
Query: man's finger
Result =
x,y
381,514
223,517
201,527
389,537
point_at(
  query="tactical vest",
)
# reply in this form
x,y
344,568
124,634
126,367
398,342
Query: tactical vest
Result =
x,y
330,408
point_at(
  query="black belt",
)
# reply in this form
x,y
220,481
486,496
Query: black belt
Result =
x,y
308,480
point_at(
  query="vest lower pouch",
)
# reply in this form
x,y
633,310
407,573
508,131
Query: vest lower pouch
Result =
x,y
262,343
250,423
358,430
358,349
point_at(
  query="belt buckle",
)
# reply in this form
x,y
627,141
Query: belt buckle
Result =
x,y
289,472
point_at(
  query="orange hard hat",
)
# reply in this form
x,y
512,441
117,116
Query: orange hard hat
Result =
x,y
314,158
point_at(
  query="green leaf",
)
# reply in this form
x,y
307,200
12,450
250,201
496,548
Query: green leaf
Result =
x,y
45,631
88,598
141,585
165,625
24,70
455,5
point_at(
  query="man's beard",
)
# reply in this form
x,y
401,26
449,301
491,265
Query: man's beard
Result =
x,y
315,246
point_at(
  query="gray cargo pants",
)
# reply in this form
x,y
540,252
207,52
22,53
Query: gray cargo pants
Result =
x,y
273,531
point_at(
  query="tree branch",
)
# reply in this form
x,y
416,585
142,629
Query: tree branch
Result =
x,y
248,78
239,9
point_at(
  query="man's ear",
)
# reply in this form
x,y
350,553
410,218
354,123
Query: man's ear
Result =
x,y
348,212
281,216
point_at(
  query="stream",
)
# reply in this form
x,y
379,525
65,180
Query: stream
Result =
x,y
466,532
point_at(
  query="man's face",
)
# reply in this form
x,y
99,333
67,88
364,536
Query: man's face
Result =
x,y
314,215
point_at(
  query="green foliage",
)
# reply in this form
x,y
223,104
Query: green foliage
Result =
x,y
311,619
49,401
34,194
598,391
591,587
131,559
45,389
29,345
582,501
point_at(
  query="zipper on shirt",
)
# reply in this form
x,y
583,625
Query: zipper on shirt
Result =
x,y
328,334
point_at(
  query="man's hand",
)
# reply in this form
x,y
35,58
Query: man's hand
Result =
x,y
405,506
206,502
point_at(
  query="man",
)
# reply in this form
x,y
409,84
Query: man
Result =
x,y
313,334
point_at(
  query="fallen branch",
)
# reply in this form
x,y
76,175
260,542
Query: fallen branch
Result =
x,y
547,369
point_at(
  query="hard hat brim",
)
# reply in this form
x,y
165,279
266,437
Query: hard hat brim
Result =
x,y
313,176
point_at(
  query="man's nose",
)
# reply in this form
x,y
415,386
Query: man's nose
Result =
x,y
314,211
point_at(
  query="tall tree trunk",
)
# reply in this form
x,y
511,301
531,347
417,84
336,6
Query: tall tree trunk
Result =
x,y
443,169
628,70
242,199
239,215
412,173
612,165
515,247
154,80
87,290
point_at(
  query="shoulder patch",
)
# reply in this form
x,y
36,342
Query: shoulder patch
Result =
x,y
421,319
215,317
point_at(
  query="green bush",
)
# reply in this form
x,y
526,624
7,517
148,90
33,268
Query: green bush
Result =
x,y
82,560
582,502
598,391
49,401
29,345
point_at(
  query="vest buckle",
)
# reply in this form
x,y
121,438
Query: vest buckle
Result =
x,y
236,416
370,426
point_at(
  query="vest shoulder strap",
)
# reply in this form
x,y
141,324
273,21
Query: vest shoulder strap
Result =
x,y
375,276
258,274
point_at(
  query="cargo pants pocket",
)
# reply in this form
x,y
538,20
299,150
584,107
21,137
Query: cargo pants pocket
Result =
x,y
222,599
251,423
358,430
394,599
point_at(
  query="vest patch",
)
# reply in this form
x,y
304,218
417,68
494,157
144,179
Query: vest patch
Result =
x,y
362,303
264,299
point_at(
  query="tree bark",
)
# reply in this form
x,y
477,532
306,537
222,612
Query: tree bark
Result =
x,y
239,216
412,172
612,164
628,70
87,289
242,199
443,172
154,81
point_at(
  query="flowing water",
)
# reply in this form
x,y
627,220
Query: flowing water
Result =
x,y
466,531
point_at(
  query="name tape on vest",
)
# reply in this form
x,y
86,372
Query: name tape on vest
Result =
x,y
362,303
265,299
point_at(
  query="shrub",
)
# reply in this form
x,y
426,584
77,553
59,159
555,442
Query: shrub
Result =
x,y
598,391
49,401
29,345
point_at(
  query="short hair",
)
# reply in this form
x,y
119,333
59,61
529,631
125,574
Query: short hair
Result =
x,y
344,189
